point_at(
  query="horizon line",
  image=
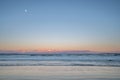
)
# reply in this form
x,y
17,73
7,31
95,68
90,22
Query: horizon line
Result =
x,y
55,51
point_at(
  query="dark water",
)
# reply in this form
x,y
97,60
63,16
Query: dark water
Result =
x,y
60,60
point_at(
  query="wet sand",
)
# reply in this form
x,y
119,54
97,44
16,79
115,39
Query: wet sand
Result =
x,y
59,73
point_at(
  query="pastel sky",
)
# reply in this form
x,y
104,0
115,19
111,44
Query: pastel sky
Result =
x,y
60,25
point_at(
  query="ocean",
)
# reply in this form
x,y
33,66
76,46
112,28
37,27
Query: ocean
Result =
x,y
60,60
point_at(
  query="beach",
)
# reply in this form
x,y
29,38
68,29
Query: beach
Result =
x,y
59,73
59,39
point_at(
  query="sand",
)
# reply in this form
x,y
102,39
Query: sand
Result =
x,y
59,73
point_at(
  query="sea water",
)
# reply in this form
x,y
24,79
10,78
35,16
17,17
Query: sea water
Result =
x,y
60,60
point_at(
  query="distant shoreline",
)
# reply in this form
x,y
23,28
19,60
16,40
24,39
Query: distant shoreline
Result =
x,y
62,53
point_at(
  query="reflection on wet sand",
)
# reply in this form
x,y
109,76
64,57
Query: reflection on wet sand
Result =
x,y
59,73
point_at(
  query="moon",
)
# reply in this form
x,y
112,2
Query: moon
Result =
x,y
26,10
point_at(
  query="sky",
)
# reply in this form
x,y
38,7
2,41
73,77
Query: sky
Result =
x,y
46,25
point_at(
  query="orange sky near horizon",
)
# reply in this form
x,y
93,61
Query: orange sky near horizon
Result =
x,y
75,47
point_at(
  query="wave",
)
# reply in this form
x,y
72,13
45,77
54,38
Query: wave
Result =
x,y
59,60
59,64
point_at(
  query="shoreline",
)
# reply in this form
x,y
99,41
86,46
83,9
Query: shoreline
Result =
x,y
59,73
